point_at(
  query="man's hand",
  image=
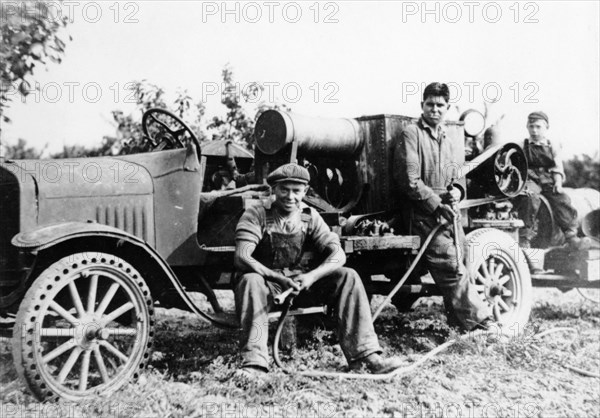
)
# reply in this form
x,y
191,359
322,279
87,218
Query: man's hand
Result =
x,y
558,188
446,212
452,196
285,282
305,280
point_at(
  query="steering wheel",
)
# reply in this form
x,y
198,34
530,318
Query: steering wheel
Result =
x,y
164,130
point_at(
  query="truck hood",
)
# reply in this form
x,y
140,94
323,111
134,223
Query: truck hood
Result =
x,y
86,177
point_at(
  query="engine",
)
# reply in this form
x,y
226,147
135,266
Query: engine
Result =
x,y
350,161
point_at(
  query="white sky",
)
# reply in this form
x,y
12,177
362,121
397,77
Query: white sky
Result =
x,y
372,57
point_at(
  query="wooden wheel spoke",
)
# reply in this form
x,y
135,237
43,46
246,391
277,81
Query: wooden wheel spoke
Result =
x,y
110,293
496,311
117,313
91,301
100,363
119,332
64,347
491,267
64,372
503,305
76,299
114,350
63,312
57,332
498,270
480,288
484,267
84,372
503,280
481,278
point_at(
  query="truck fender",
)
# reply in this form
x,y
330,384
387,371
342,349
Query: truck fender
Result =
x,y
51,235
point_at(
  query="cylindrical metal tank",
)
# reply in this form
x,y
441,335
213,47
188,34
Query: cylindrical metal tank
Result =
x,y
330,137
591,224
584,200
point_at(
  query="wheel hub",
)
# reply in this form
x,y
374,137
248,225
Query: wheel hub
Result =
x,y
89,332
496,290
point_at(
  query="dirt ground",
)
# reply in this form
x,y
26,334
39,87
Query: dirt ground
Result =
x,y
193,365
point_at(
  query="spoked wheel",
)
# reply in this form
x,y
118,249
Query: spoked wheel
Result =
x,y
499,270
86,327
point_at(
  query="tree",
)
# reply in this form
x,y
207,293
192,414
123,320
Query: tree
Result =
x,y
30,36
129,137
583,171
237,125
20,151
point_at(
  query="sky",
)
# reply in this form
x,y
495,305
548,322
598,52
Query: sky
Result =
x,y
328,59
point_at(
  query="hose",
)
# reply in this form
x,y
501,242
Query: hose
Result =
x,y
287,303
396,288
404,370
583,295
344,375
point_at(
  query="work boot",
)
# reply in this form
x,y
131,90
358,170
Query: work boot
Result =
x,y
577,243
250,373
377,364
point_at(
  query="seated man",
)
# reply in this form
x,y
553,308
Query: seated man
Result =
x,y
269,240
545,177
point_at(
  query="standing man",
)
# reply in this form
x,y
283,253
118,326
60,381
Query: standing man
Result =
x,y
270,241
422,158
545,177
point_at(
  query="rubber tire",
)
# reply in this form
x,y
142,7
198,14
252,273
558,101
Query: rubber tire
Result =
x,y
486,243
27,343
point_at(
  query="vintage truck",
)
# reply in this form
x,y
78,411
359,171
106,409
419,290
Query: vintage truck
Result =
x,y
89,248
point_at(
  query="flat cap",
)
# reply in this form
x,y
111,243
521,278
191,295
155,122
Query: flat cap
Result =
x,y
538,115
289,172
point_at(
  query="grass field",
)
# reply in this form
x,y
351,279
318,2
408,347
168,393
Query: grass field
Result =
x,y
192,369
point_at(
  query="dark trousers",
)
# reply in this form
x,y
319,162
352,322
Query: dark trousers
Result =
x,y
342,290
528,206
449,273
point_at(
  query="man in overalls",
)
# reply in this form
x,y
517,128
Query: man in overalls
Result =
x,y
423,161
545,177
270,241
